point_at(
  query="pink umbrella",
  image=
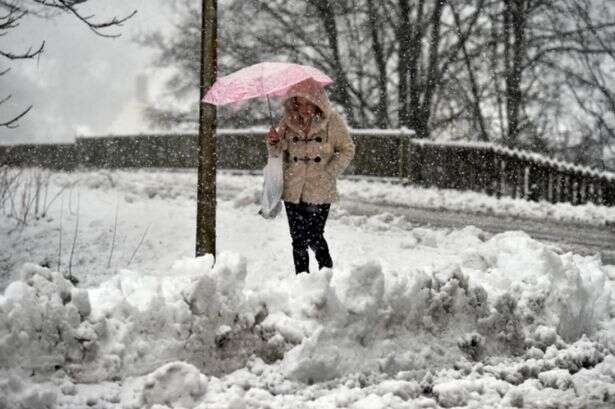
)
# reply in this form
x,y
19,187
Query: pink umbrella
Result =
x,y
262,79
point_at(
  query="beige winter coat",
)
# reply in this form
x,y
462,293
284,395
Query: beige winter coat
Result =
x,y
312,162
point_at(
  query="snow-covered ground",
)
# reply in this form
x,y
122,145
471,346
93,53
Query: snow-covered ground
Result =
x,y
408,317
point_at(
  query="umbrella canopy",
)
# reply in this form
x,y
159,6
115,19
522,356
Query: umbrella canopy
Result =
x,y
260,80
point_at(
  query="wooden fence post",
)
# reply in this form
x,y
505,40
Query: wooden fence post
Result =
x,y
544,184
571,188
563,193
534,183
501,169
512,175
595,195
404,153
609,199
604,186
415,162
583,188
554,188
523,185
428,165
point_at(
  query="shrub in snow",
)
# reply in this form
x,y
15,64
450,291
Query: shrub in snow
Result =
x,y
131,323
543,337
17,394
556,378
599,383
404,389
432,302
370,402
504,324
41,327
472,345
451,394
584,353
514,398
563,291
176,384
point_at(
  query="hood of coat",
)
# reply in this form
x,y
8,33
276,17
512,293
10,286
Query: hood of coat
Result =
x,y
313,92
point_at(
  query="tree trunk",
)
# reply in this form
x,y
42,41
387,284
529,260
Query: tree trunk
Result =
x,y
403,40
432,79
477,112
327,15
515,32
206,184
414,86
378,47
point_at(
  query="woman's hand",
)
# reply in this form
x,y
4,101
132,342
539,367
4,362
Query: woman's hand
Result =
x,y
272,136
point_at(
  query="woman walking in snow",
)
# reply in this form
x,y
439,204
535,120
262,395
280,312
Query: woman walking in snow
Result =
x,y
316,148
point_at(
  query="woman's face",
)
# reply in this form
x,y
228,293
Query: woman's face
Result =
x,y
305,108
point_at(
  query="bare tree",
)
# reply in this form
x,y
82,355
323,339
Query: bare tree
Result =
x,y
14,13
507,71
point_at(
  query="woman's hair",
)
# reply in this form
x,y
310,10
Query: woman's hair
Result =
x,y
293,101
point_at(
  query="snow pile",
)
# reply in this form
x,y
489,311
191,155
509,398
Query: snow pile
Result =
x,y
366,319
509,321
507,295
43,322
564,292
130,324
176,384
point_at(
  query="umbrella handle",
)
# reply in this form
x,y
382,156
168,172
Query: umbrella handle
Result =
x,y
270,114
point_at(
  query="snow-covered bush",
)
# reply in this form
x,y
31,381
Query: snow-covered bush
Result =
x,y
176,384
131,323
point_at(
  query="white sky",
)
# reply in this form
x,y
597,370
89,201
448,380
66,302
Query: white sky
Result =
x,y
83,83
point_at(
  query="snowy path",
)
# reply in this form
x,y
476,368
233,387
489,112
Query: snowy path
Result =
x,y
585,240
165,200
170,226
579,238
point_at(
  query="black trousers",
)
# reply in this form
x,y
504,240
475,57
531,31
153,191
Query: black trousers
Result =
x,y
307,226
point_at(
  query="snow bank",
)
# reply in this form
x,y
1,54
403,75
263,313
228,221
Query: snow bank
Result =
x,y
565,292
130,324
507,296
524,295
